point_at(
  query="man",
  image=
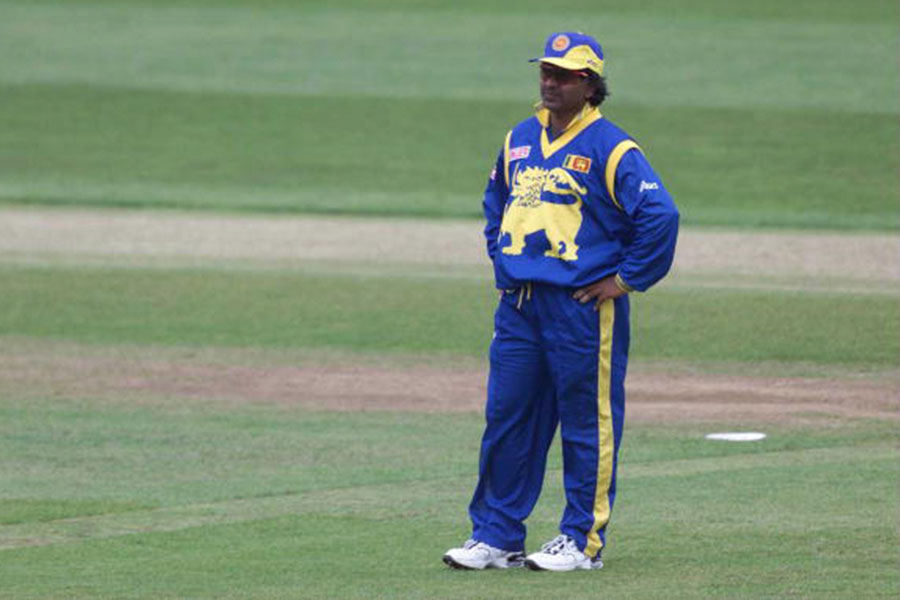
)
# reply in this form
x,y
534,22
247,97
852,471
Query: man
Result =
x,y
576,220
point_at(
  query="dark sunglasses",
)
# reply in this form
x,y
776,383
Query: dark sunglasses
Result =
x,y
562,75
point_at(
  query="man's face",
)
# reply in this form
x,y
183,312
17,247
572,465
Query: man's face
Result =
x,y
563,90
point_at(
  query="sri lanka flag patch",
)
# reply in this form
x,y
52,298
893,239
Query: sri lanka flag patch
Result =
x,y
573,162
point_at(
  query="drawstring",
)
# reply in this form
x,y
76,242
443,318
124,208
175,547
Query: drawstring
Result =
x,y
524,292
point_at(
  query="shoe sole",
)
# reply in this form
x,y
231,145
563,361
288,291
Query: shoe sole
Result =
x,y
530,564
448,560
455,565
514,564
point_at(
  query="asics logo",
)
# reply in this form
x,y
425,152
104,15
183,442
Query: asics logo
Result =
x,y
648,185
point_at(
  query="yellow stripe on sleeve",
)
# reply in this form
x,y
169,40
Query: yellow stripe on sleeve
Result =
x,y
612,163
506,158
604,428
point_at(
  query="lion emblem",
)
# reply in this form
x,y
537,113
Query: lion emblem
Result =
x,y
528,213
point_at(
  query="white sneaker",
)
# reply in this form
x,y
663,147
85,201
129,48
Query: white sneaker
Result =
x,y
478,555
561,554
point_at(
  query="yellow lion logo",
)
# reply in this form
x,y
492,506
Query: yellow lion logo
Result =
x,y
528,214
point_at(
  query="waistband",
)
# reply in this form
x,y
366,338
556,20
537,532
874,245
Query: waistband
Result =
x,y
526,290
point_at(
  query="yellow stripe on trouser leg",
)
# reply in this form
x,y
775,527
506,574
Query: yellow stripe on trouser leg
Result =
x,y
604,428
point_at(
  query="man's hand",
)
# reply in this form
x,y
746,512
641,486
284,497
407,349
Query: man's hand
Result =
x,y
600,291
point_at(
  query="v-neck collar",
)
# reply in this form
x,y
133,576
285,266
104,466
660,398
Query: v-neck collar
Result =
x,y
588,115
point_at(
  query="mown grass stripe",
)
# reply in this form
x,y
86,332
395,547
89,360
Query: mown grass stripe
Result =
x,y
77,145
397,315
384,500
425,274
277,50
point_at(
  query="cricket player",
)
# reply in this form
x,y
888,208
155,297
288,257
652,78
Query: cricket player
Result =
x,y
576,220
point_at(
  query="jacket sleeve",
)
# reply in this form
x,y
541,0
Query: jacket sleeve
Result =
x,y
495,195
654,217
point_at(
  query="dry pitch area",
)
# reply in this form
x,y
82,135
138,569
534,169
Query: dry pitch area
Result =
x,y
157,237
236,377
828,262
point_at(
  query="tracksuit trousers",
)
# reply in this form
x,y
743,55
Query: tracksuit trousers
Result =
x,y
553,361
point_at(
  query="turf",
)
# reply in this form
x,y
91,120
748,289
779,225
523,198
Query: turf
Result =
x,y
411,315
269,502
236,106
40,510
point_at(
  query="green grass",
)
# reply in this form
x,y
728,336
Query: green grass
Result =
x,y
39,510
130,454
411,315
231,151
273,502
232,106
864,11
704,325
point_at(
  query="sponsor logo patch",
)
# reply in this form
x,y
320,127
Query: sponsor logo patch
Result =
x,y
560,43
648,185
519,152
573,162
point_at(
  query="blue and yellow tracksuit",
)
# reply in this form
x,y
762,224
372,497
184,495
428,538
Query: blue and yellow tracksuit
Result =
x,y
563,213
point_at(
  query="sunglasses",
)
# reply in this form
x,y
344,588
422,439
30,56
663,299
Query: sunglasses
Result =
x,y
563,76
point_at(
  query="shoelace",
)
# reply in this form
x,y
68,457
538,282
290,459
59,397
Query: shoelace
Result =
x,y
558,544
477,546
483,549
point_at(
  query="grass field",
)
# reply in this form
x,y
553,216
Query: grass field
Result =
x,y
188,409
290,107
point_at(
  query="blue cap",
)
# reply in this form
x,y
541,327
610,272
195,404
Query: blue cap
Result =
x,y
574,51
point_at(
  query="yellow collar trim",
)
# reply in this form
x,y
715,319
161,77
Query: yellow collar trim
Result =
x,y
588,115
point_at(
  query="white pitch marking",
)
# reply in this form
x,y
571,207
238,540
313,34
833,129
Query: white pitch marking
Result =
x,y
737,436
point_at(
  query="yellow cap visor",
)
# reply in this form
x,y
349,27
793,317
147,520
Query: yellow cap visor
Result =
x,y
571,65
579,58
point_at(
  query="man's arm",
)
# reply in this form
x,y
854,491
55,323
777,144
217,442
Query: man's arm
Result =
x,y
494,202
640,195
655,217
